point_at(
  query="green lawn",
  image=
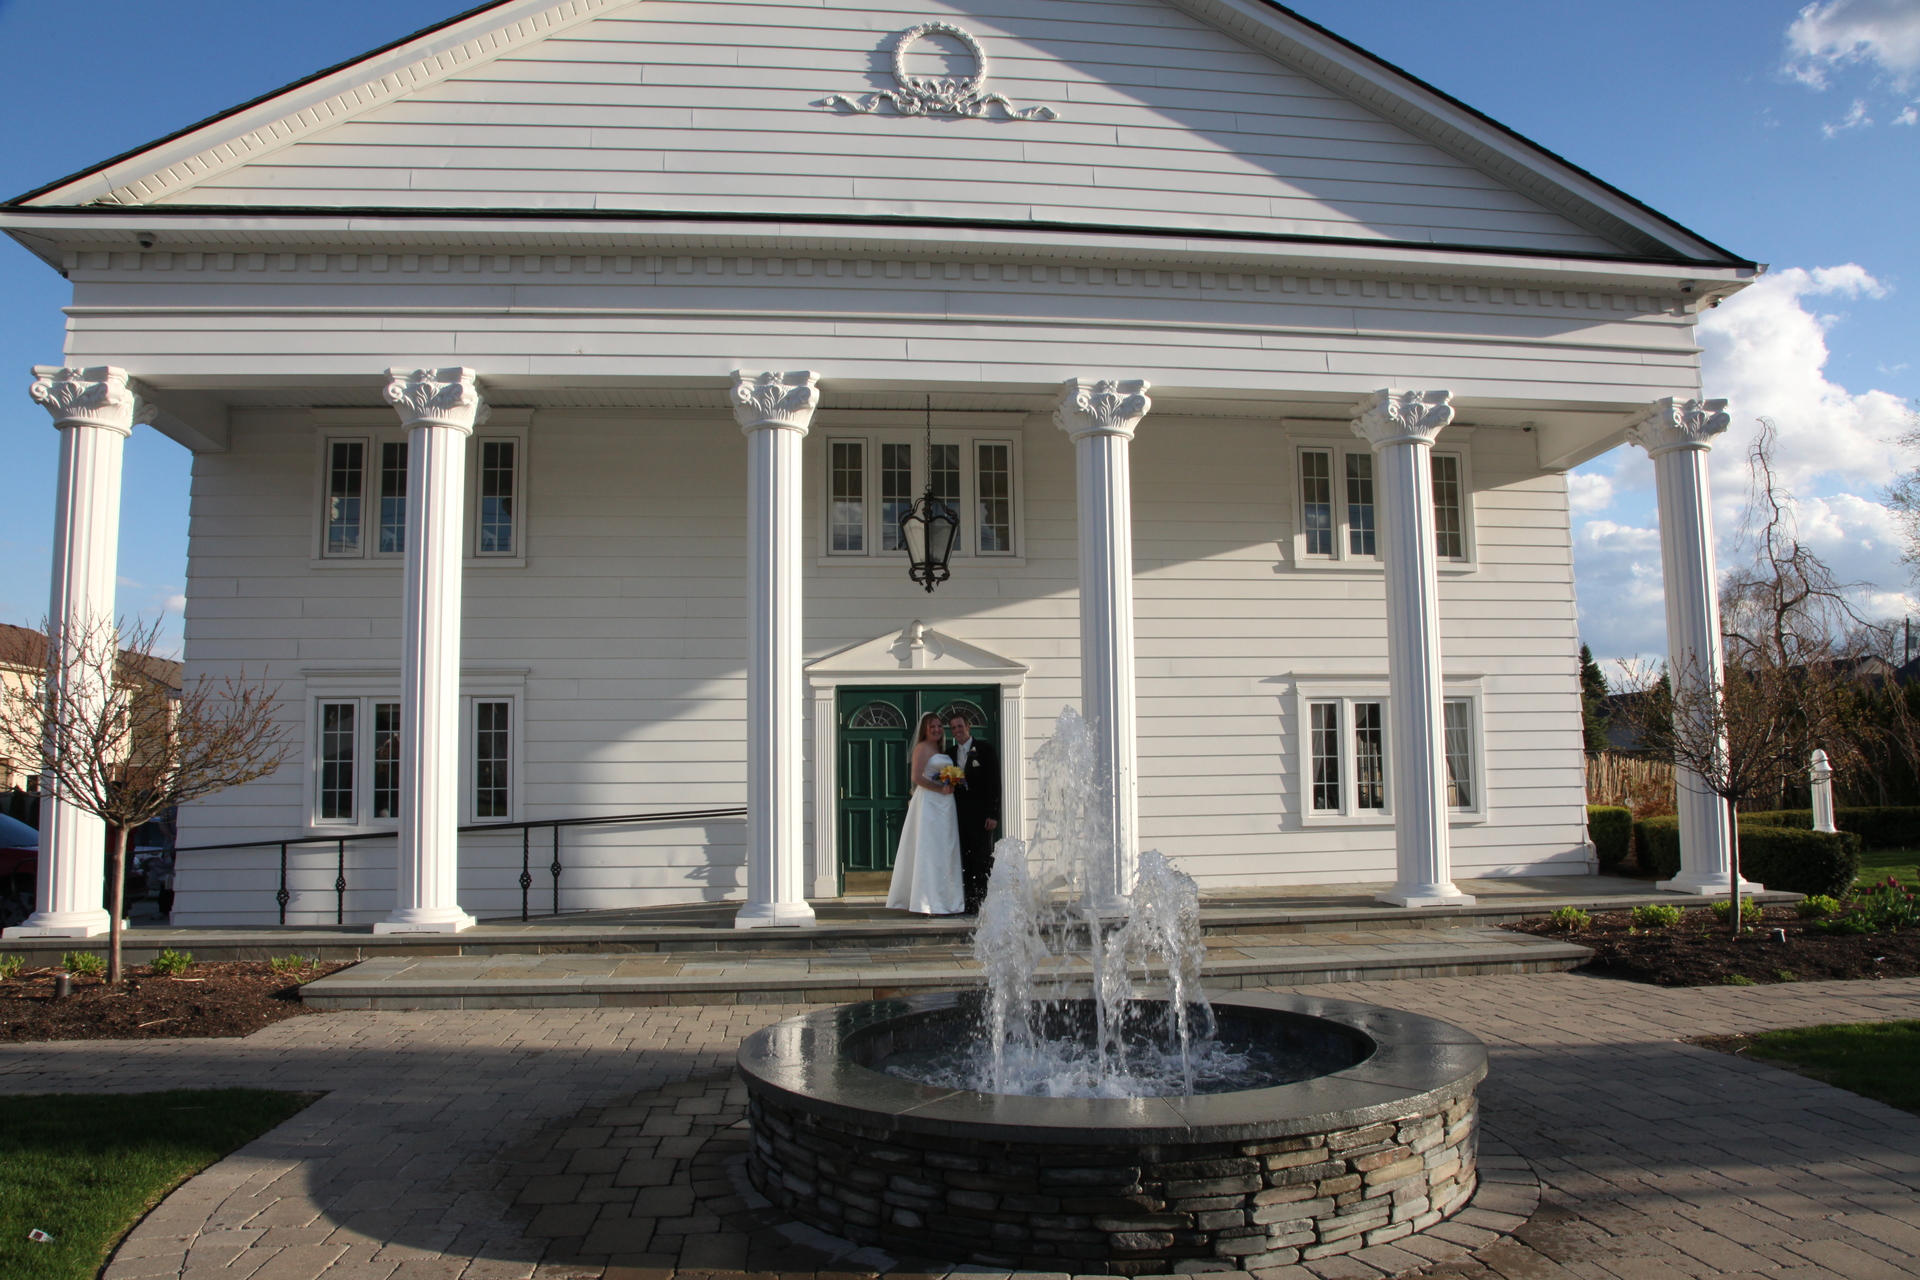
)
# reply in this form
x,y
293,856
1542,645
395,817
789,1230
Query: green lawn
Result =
x,y
1877,864
85,1167
1879,1060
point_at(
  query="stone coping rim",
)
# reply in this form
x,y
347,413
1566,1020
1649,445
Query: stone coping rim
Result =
x,y
801,1064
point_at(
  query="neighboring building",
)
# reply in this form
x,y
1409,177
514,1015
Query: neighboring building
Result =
x,y
23,659
590,214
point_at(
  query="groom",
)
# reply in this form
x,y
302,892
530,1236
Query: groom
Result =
x,y
978,801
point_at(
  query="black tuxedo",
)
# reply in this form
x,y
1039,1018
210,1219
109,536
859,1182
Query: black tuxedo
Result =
x,y
977,800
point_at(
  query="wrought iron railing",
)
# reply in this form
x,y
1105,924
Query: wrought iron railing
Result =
x,y
283,895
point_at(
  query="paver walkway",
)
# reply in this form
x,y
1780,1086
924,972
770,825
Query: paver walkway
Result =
x,y
1655,1159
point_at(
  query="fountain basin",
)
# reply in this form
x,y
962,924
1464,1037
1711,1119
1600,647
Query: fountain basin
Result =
x,y
1378,1146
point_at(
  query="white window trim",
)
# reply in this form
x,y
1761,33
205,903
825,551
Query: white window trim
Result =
x,y
1348,690
1455,441
376,427
378,683
871,437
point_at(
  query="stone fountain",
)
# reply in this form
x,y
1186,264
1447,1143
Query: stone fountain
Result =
x,y
1090,1110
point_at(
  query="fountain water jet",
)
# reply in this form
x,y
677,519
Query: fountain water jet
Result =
x,y
1057,1119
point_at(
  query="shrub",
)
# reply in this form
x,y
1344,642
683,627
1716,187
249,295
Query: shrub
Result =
x,y
1656,915
1738,980
1570,919
1817,907
171,964
89,964
1611,830
290,964
1812,862
1656,843
1749,911
1887,826
10,967
1783,858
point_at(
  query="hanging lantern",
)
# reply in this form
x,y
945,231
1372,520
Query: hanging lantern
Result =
x,y
928,530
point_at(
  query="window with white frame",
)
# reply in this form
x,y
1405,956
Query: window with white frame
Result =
x,y
357,760
364,496
872,480
1339,517
1344,755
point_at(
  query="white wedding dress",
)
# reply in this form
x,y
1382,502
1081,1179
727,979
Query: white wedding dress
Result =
x,y
926,868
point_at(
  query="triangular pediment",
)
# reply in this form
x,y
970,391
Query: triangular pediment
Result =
x,y
916,649
1223,116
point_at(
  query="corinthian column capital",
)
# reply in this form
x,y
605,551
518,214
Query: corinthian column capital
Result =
x,y
1671,423
1103,407
779,401
437,398
1394,417
95,397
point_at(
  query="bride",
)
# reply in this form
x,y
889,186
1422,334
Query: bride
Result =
x,y
926,869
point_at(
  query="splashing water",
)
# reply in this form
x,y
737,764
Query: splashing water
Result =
x,y
1053,928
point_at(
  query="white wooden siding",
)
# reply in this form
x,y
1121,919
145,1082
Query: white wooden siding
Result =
x,y
277,317
629,619
1164,121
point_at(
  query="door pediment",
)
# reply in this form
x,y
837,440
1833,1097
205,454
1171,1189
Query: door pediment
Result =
x,y
917,650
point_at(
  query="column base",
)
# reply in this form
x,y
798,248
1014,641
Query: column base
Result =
x,y
433,920
61,924
1706,886
1425,895
774,915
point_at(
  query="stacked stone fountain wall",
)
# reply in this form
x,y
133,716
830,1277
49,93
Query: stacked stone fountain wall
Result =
x,y
1119,1210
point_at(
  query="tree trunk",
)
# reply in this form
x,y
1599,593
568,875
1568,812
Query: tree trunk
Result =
x,y
1733,822
117,896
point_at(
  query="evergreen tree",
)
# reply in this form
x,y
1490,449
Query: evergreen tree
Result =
x,y
1593,701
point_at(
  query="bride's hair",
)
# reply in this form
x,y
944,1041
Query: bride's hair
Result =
x,y
931,718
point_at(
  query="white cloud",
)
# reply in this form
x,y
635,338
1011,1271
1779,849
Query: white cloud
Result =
x,y
1857,118
1622,605
1908,115
1766,353
1831,35
1589,492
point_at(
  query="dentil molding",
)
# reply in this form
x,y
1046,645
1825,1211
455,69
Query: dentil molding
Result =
x,y
1671,423
775,400
1104,407
92,397
1393,417
437,397
937,95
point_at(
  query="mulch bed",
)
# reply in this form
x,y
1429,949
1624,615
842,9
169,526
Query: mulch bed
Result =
x,y
1698,953
217,998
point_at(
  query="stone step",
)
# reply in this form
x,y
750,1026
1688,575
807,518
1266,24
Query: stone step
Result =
x,y
573,980
858,924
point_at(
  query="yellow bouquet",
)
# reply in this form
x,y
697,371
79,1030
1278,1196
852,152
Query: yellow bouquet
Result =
x,y
952,774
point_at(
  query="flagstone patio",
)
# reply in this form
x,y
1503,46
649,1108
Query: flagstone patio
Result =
x,y
596,1143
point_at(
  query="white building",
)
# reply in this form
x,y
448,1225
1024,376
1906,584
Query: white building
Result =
x,y
691,285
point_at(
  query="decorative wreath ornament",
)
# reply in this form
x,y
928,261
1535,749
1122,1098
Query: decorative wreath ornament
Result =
x,y
938,95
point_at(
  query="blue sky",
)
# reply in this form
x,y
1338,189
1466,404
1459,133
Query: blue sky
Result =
x,y
1788,132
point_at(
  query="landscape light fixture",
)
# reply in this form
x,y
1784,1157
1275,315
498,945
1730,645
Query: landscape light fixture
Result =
x,y
929,528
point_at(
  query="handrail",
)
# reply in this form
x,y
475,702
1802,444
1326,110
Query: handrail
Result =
x,y
283,895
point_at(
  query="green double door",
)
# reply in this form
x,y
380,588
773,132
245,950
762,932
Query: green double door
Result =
x,y
875,744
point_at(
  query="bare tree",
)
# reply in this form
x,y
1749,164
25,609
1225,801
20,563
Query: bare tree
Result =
x,y
1789,671
115,739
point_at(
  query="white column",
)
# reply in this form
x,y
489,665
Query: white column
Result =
x,y
1100,418
1821,775
94,411
826,810
1401,426
774,410
1677,434
440,408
